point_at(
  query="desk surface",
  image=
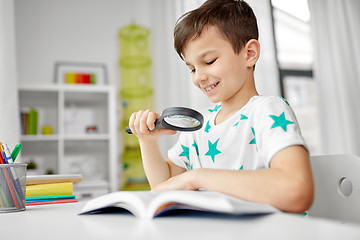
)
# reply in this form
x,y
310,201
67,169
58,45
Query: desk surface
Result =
x,y
61,221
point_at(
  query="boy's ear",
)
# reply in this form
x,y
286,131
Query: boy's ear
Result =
x,y
252,48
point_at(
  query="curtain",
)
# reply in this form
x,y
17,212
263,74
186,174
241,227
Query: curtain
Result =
x,y
336,33
172,79
9,120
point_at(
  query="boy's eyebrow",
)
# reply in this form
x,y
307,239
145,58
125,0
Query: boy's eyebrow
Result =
x,y
207,52
202,55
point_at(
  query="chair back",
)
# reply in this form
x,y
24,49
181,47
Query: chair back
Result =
x,y
337,187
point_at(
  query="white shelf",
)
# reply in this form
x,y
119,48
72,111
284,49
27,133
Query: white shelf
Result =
x,y
34,138
87,137
70,148
65,87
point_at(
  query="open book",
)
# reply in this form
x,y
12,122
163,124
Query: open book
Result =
x,y
150,204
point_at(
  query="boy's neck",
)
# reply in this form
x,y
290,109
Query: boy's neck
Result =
x,y
231,106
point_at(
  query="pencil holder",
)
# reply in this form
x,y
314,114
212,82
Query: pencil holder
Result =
x,y
12,187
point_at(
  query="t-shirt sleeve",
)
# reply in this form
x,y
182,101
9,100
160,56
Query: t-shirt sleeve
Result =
x,y
179,153
276,127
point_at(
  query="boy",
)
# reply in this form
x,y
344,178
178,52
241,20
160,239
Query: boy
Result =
x,y
250,146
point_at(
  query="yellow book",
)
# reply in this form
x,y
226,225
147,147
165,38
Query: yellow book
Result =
x,y
50,189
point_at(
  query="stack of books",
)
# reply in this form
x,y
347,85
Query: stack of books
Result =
x,y
29,121
51,189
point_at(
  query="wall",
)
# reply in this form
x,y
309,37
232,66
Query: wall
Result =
x,y
9,121
67,30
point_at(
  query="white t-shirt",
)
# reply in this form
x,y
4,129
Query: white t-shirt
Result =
x,y
247,140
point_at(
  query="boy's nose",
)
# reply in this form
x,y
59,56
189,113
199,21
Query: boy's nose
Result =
x,y
200,76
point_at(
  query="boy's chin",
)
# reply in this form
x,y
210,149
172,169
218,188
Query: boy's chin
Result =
x,y
214,100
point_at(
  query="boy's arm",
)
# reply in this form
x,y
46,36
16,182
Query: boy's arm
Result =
x,y
157,170
287,184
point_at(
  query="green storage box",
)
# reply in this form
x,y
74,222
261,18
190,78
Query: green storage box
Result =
x,y
136,76
133,171
134,41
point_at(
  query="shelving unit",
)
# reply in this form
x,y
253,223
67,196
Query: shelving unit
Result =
x,y
68,109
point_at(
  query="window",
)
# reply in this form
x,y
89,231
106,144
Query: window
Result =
x,y
295,59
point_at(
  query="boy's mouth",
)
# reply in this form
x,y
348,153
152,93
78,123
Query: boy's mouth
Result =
x,y
209,88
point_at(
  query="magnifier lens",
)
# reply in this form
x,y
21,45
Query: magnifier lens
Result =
x,y
182,121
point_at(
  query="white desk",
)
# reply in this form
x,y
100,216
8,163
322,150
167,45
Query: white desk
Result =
x,y
61,221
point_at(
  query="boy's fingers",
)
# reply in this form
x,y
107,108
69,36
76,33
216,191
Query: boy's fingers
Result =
x,y
137,121
131,122
151,120
143,122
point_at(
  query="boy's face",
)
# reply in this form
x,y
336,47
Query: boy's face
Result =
x,y
216,69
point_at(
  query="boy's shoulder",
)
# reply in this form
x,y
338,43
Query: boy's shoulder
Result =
x,y
263,107
260,105
261,100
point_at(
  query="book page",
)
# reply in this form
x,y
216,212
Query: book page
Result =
x,y
198,200
135,202
205,201
245,207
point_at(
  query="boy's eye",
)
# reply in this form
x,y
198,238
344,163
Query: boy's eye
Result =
x,y
211,62
192,70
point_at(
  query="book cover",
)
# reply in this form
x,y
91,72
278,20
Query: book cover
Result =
x,y
150,204
51,202
48,198
52,178
32,122
49,189
24,123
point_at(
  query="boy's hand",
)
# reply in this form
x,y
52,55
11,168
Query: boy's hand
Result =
x,y
142,125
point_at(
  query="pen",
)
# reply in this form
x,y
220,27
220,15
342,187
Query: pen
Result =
x,y
10,187
2,152
16,151
12,173
3,188
4,181
6,153
2,161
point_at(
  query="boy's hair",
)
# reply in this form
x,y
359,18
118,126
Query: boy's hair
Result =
x,y
234,18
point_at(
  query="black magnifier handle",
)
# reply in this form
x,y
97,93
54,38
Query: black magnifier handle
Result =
x,y
128,130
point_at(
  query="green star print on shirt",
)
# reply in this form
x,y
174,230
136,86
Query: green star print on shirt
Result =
x,y
185,152
280,121
196,148
253,141
216,108
207,127
213,151
243,117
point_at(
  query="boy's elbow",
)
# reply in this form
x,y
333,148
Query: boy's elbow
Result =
x,y
301,197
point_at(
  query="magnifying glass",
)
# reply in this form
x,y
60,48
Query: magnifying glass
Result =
x,y
179,119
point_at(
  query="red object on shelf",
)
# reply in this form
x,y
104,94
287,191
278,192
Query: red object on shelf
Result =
x,y
86,78
78,78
